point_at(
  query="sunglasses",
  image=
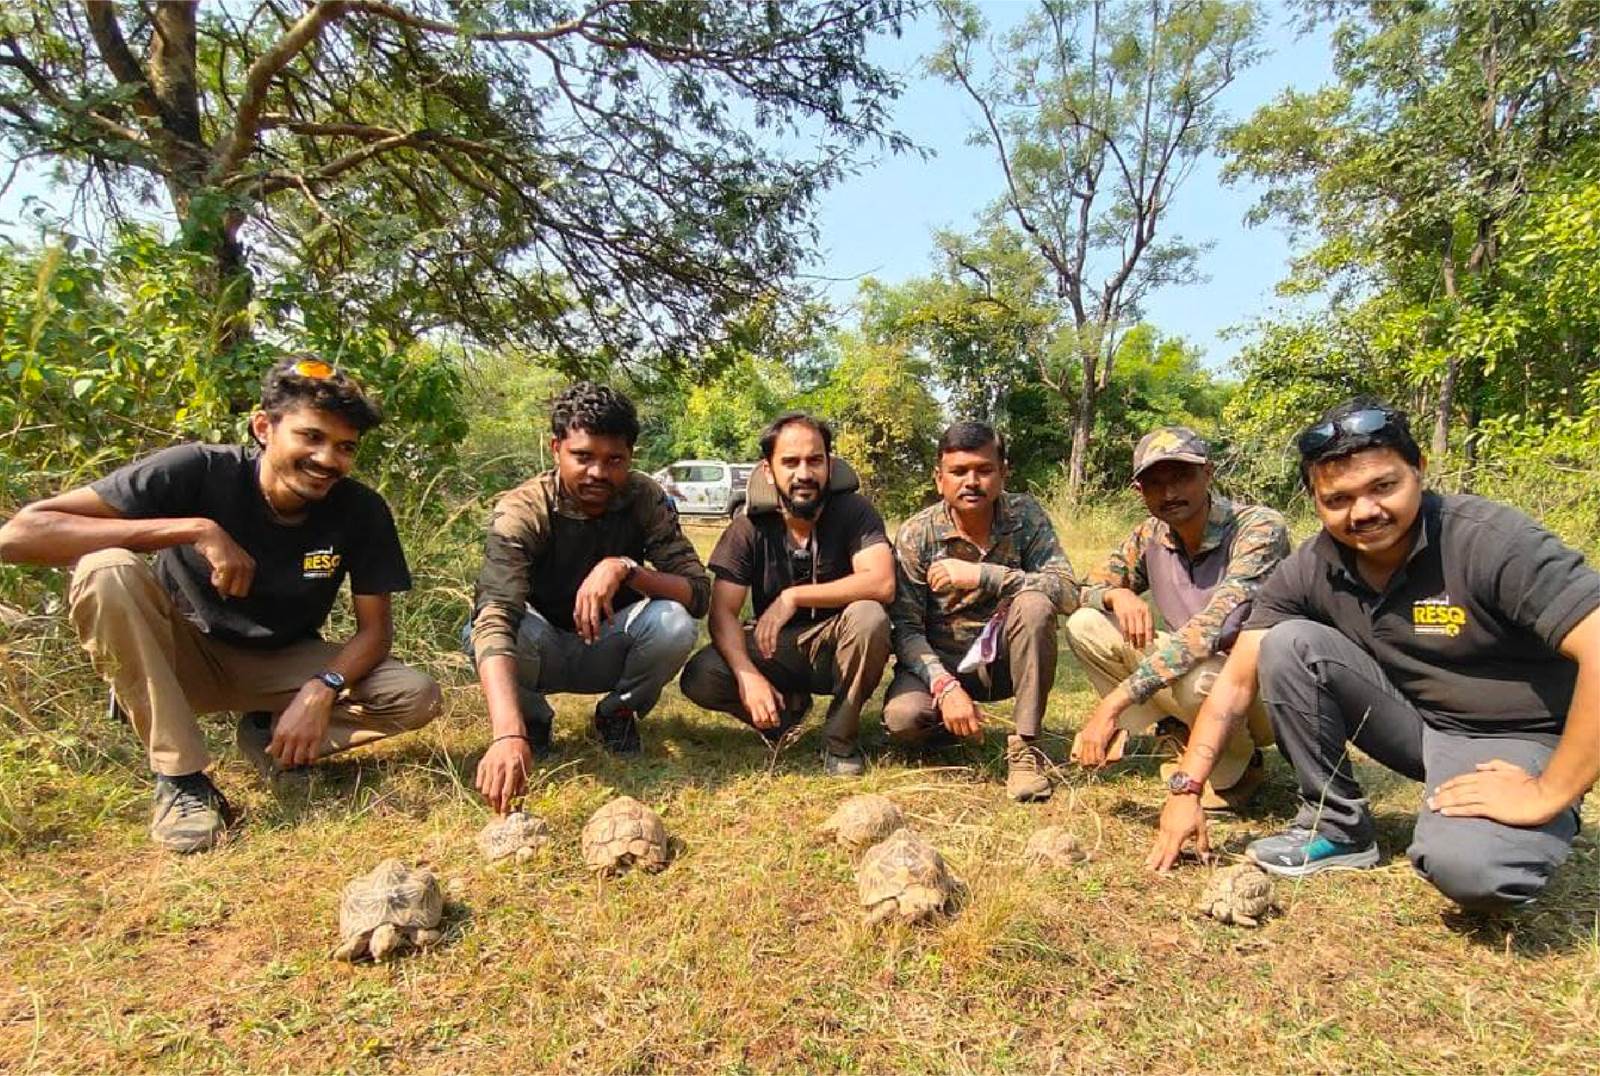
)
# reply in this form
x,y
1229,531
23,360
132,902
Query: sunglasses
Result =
x,y
1356,424
315,369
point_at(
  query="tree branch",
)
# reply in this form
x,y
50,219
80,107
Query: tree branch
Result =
x,y
236,145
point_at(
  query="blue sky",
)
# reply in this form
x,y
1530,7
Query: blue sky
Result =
x,y
880,223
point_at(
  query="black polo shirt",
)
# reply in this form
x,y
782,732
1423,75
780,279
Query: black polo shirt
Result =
x,y
1468,628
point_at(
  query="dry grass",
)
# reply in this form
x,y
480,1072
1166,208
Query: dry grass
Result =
x,y
747,954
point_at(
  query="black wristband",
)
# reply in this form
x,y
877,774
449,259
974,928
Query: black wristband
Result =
x,y
510,736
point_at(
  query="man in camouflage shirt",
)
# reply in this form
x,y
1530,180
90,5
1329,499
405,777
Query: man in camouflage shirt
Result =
x,y
980,580
564,603
1202,558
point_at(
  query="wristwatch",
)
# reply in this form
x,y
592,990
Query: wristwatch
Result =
x,y
1181,784
332,679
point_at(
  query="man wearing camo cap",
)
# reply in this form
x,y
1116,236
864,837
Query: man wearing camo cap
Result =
x,y
1201,558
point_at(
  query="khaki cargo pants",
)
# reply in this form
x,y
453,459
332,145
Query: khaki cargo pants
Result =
x,y
166,671
1108,660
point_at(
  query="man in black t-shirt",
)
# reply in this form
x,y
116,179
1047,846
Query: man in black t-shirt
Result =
x,y
812,554
252,545
1450,638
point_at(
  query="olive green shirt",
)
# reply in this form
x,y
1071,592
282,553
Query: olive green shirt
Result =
x,y
541,547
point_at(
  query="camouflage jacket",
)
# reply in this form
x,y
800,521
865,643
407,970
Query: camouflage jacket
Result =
x,y
933,631
541,547
1260,541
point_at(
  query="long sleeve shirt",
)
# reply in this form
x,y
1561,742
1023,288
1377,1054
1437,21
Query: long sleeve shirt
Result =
x,y
932,631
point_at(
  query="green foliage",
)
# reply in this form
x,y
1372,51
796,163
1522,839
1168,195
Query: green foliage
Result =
x,y
885,419
107,354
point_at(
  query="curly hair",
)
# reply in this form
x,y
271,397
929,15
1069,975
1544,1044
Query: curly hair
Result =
x,y
594,409
287,387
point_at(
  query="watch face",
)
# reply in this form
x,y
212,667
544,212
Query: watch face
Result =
x,y
1179,782
332,679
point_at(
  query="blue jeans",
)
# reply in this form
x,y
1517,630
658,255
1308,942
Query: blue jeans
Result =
x,y
639,651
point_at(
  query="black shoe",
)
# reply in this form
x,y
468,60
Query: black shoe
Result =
x,y
537,729
618,732
188,814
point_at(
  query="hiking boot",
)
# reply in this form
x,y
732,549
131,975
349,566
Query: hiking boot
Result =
x,y
188,813
1026,779
852,765
251,736
795,708
537,728
1297,852
1237,796
618,732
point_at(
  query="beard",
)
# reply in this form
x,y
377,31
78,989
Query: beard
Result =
x,y
805,509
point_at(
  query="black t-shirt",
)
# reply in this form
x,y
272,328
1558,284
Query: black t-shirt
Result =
x,y
299,567
757,552
1468,628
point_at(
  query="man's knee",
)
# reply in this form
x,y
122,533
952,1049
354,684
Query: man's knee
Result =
x,y
867,621
704,677
1484,871
1290,647
1031,609
107,571
1091,631
416,698
669,626
906,718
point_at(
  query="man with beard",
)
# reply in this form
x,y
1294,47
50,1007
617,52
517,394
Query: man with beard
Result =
x,y
252,545
812,554
1202,558
564,602
1450,638
981,580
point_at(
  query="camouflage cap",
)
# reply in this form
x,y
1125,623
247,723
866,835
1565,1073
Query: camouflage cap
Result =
x,y
1169,443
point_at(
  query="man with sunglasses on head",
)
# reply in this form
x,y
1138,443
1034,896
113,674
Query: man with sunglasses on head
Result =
x,y
1201,558
565,601
981,580
812,554
252,545
1450,638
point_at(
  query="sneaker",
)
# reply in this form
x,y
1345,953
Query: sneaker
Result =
x,y
852,765
1297,852
1026,780
251,736
618,732
188,813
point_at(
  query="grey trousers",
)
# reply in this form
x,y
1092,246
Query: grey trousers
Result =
x,y
639,651
1322,692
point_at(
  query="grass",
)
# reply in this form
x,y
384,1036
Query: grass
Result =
x,y
747,953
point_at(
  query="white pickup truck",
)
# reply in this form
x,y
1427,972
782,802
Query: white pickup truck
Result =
x,y
705,487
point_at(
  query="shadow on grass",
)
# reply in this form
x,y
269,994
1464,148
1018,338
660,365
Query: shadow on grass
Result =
x,y
1565,917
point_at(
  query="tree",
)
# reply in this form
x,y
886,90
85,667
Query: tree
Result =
x,y
1443,119
1097,112
593,179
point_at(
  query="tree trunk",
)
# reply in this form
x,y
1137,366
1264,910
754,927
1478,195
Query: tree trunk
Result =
x,y
1452,371
1082,428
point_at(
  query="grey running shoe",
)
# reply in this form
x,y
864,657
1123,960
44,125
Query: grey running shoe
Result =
x,y
1297,852
189,814
851,765
1026,779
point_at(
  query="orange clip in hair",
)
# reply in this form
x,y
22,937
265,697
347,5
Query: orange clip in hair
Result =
x,y
315,369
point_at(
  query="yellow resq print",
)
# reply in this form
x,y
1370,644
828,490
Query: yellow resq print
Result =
x,y
1437,616
319,563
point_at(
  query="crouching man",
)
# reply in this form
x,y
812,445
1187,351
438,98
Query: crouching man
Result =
x,y
980,582
1202,558
564,600
1451,639
252,545
814,552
